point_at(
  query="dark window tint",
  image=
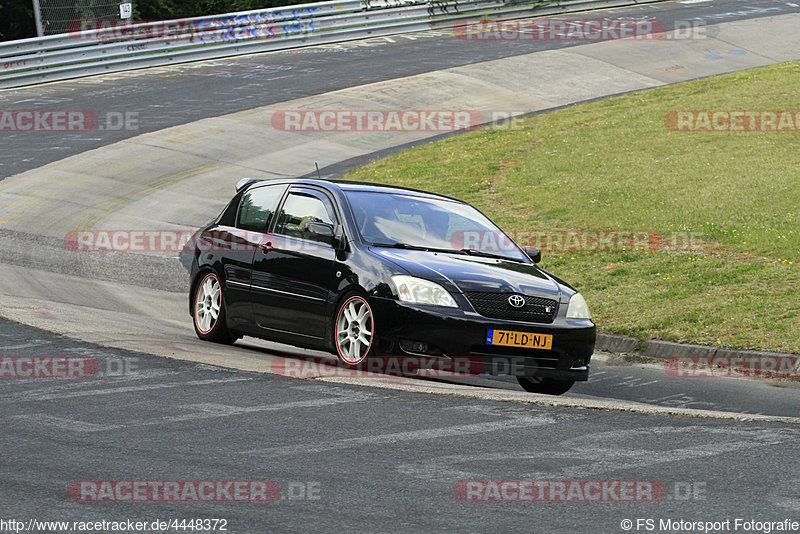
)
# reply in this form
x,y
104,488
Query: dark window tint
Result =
x,y
301,209
257,207
228,216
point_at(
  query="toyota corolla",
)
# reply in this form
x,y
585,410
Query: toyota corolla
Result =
x,y
368,270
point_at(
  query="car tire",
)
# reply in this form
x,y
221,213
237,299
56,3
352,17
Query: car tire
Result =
x,y
354,330
547,386
208,312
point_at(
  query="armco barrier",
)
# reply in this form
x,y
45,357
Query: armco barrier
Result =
x,y
88,52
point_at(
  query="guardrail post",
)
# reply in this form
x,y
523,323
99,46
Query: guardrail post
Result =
x,y
37,17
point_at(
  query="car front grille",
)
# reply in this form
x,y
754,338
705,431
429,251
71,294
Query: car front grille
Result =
x,y
497,306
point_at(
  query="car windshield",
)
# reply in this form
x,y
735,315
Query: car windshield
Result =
x,y
411,221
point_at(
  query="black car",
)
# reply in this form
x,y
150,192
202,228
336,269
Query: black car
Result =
x,y
368,270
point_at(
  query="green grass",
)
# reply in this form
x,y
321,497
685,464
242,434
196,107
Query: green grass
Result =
x,y
614,165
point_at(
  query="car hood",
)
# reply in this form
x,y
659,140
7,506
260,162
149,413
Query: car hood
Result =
x,y
462,273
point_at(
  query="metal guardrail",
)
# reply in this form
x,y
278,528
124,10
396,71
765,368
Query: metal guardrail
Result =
x,y
116,48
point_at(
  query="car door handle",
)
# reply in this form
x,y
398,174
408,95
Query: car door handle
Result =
x,y
266,247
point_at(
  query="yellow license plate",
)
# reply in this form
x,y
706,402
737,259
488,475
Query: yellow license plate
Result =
x,y
509,338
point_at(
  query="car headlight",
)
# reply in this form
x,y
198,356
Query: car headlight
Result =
x,y
419,291
577,308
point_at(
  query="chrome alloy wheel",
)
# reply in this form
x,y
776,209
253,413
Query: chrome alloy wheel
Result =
x,y
354,330
207,304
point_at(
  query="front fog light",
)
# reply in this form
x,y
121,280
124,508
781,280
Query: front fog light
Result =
x,y
577,308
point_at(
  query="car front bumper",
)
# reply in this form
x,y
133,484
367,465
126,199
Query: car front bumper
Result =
x,y
454,333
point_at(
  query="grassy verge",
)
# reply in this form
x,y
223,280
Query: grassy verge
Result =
x,y
727,205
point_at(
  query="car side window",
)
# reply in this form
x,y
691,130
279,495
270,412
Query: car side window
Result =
x,y
228,215
257,207
301,209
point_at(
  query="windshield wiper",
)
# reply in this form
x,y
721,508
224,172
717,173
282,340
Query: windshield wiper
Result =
x,y
398,245
406,246
473,252
467,251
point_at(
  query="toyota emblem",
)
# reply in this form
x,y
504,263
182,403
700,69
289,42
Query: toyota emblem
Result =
x,y
516,301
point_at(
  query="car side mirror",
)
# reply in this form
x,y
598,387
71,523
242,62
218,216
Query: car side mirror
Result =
x,y
534,253
321,229
339,240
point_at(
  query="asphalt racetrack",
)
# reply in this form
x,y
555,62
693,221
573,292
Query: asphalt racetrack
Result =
x,y
366,454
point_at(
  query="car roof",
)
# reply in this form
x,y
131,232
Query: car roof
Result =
x,y
351,185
